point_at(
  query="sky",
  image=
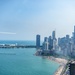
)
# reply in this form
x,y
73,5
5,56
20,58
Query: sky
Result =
x,y
24,19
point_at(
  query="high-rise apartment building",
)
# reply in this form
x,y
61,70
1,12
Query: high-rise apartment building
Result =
x,y
72,68
37,41
50,40
45,39
74,36
53,35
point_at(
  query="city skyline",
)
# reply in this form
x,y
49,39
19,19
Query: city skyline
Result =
x,y
26,18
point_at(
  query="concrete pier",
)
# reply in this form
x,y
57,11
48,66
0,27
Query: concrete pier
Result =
x,y
16,46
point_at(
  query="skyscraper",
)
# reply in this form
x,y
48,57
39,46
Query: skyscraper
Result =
x,y
45,39
37,41
50,40
74,28
74,35
53,35
45,44
72,68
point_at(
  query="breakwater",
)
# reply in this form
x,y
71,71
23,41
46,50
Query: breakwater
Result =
x,y
16,46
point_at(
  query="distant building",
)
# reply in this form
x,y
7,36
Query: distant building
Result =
x,y
62,41
53,35
37,41
74,35
50,40
46,44
67,39
72,68
54,44
67,36
45,39
59,41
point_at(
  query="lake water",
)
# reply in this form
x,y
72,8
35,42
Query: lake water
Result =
x,y
21,61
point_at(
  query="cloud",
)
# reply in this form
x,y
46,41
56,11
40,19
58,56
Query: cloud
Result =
x,y
10,33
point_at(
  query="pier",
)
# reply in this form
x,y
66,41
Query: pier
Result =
x,y
17,46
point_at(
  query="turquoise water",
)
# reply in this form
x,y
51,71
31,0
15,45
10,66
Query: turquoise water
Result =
x,y
23,62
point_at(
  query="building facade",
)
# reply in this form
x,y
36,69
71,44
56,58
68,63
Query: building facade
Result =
x,y
37,41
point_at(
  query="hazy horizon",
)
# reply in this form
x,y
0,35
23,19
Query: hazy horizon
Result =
x,y
24,19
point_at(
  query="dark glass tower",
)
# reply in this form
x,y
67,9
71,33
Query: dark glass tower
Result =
x,y
37,41
74,35
53,35
72,68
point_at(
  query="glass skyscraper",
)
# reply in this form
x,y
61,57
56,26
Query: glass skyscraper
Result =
x,y
37,41
53,35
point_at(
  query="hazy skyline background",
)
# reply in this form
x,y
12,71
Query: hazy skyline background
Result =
x,y
24,19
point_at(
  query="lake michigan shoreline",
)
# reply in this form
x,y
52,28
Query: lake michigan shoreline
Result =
x,y
62,63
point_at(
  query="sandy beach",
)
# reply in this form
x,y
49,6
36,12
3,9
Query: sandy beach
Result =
x,y
61,61
58,60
